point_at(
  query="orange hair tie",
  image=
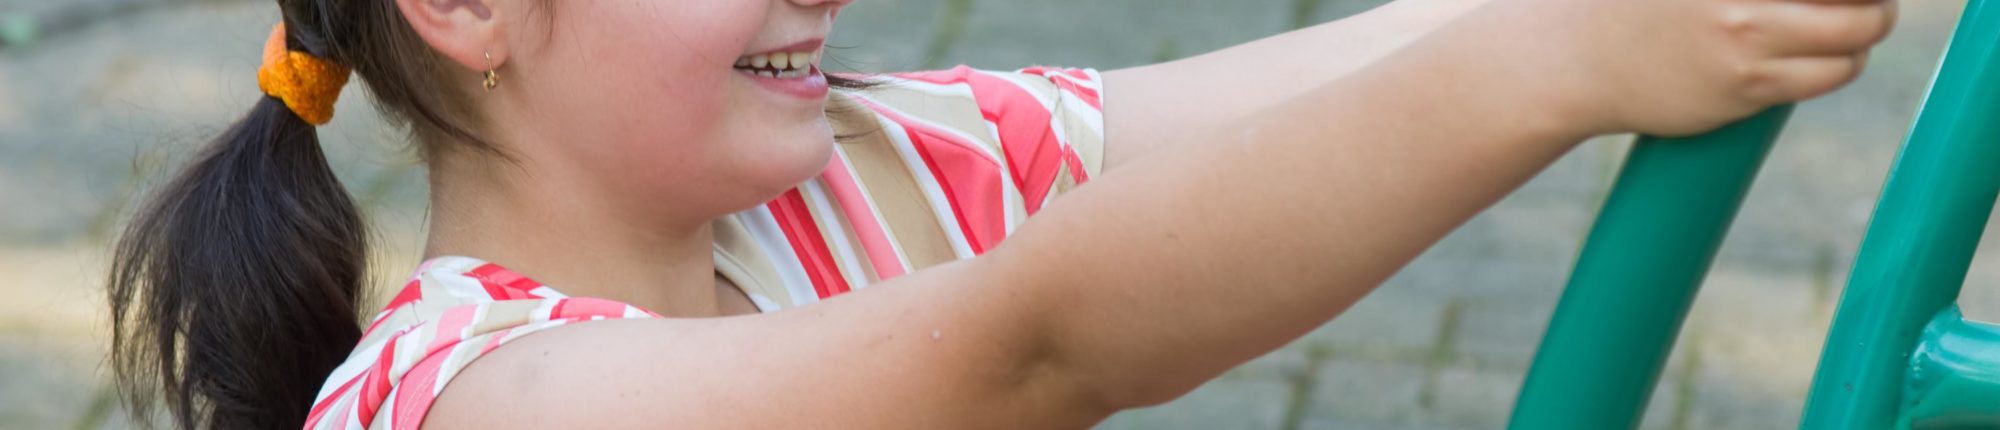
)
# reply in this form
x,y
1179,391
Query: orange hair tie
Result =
x,y
309,85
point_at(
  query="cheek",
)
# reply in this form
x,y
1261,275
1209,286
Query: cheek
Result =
x,y
664,66
646,90
643,81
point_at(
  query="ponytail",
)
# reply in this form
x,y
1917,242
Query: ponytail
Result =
x,y
234,290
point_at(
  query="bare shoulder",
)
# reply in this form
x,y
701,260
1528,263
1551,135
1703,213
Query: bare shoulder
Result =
x,y
584,375
870,359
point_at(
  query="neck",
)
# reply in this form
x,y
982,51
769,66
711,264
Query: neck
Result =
x,y
563,234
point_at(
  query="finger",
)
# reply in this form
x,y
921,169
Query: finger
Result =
x,y
1792,79
1794,28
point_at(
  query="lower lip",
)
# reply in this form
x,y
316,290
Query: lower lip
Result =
x,y
810,87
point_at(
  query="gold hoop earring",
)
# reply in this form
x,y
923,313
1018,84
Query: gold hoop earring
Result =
x,y
492,76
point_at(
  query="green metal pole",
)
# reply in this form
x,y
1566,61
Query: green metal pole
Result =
x,y
1954,377
1639,271
1920,243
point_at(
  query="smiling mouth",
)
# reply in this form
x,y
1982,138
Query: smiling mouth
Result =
x,y
779,65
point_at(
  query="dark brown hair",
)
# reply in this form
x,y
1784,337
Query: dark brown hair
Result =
x,y
234,291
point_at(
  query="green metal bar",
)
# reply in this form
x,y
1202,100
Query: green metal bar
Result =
x,y
1639,271
1954,379
1926,228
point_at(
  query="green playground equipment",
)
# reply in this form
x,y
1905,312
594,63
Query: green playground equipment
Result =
x,y
1899,355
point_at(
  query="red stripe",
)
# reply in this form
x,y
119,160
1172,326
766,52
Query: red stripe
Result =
x,y
557,309
413,395
495,290
1027,135
1026,128
503,284
1066,80
1075,162
506,277
375,384
962,199
968,179
411,292
583,308
319,409
806,241
955,75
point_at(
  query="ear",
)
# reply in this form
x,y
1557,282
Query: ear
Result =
x,y
464,31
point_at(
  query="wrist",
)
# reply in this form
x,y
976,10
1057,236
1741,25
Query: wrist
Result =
x,y
1492,70
1571,94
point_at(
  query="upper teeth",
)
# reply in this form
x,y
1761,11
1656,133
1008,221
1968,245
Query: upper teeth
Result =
x,y
780,60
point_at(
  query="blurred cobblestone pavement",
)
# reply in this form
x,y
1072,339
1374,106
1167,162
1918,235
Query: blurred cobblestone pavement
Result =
x,y
97,95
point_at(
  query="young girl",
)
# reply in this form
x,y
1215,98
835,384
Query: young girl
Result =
x,y
659,213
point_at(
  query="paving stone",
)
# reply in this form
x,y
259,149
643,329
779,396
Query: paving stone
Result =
x,y
1760,324
1109,34
1727,398
1980,299
1521,230
1470,398
1105,34
1502,331
1663,409
1226,403
1366,391
1440,277
1365,425
108,124
1352,424
1579,179
1284,364
1474,398
1388,319
49,384
1319,11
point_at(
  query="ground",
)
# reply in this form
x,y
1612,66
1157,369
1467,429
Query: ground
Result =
x,y
96,96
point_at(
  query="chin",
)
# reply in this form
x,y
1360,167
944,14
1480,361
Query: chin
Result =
x,y
810,161
780,169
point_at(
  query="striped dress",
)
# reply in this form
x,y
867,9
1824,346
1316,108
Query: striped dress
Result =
x,y
934,167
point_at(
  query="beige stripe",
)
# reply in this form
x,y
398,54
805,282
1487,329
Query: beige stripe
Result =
x,y
1064,182
958,112
898,199
1088,143
739,260
507,314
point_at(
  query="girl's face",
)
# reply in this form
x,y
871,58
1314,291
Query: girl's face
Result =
x,y
694,106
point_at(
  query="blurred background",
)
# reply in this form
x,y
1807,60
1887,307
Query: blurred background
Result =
x,y
99,97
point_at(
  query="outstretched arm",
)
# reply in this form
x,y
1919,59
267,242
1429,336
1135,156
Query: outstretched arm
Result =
x,y
1218,254
1198,257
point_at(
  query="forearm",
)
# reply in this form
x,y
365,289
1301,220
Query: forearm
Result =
x,y
1220,254
1164,105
